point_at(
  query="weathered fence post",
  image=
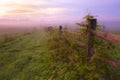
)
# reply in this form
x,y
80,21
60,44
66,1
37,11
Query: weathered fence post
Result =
x,y
60,29
90,44
92,23
60,32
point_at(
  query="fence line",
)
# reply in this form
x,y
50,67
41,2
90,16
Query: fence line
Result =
x,y
72,32
111,62
113,38
77,42
81,43
91,33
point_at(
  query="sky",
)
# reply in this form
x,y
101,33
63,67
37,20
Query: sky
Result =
x,y
56,12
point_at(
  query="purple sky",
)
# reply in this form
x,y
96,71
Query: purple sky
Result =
x,y
51,12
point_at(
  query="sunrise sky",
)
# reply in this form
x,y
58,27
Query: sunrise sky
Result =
x,y
50,12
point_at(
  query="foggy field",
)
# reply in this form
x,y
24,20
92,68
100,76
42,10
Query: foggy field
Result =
x,y
14,30
43,55
59,39
24,57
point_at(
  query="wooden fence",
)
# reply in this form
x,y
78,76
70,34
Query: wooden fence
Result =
x,y
91,33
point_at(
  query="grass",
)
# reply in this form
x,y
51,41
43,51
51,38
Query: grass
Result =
x,y
49,56
24,57
70,59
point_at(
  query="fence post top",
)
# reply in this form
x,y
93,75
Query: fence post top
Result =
x,y
92,19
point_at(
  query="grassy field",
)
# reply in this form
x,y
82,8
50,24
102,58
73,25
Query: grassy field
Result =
x,y
44,55
24,57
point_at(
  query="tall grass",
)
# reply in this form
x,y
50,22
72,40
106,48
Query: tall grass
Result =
x,y
70,60
54,56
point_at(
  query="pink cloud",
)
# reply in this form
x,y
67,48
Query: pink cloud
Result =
x,y
19,11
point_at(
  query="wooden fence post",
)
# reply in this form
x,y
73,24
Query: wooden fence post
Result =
x,y
60,29
92,23
90,44
60,32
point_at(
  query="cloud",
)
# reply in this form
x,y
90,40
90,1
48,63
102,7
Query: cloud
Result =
x,y
20,11
49,9
14,19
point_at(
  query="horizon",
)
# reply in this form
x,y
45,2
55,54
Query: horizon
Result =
x,y
20,13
